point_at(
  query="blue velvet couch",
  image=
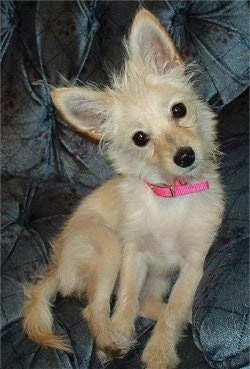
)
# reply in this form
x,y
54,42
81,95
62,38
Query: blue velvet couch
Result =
x,y
47,168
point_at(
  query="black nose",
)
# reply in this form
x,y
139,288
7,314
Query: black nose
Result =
x,y
184,157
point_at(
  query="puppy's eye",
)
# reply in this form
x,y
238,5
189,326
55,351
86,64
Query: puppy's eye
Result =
x,y
140,138
179,110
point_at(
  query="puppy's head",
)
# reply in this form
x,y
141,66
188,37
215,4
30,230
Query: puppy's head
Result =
x,y
151,120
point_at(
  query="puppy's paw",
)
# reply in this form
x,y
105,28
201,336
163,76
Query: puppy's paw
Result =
x,y
113,346
103,357
159,356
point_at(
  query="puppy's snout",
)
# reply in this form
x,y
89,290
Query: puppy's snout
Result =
x,y
184,157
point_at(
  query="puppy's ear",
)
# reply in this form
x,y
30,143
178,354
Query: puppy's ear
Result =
x,y
83,108
151,43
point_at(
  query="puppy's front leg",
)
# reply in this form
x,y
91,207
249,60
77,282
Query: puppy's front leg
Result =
x,y
132,277
160,352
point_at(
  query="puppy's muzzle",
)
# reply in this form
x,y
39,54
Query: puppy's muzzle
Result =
x,y
184,157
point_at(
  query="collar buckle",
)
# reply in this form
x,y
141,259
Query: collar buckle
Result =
x,y
172,191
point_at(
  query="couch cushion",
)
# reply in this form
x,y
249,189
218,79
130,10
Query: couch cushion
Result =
x,y
37,50
221,308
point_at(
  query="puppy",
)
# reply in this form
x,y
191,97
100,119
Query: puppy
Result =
x,y
159,215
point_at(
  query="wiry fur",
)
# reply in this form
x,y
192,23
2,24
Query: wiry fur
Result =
x,y
123,229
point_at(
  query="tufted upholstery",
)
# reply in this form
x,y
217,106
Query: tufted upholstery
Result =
x,y
221,308
47,168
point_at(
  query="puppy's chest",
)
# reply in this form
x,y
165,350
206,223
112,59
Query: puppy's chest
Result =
x,y
157,227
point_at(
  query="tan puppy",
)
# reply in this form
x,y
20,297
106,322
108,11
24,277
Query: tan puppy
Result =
x,y
155,131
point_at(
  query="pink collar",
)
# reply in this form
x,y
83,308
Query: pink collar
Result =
x,y
179,188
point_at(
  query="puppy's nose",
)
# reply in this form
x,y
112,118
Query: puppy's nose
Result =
x,y
184,157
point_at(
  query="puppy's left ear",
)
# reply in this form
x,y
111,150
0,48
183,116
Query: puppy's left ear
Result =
x,y
151,43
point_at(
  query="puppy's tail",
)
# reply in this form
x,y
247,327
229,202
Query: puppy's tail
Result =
x,y
38,319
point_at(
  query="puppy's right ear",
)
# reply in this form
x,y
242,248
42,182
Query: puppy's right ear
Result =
x,y
150,43
83,108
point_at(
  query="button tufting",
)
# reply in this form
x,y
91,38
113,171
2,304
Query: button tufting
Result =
x,y
179,18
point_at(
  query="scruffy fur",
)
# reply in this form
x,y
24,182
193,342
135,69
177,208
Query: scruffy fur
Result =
x,y
124,232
